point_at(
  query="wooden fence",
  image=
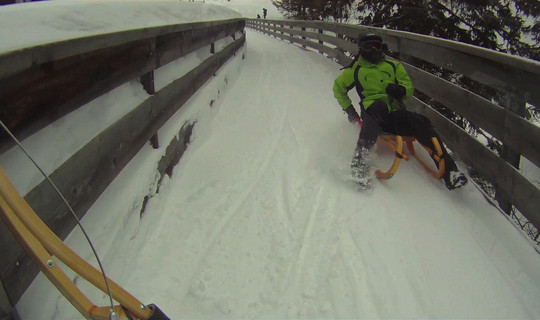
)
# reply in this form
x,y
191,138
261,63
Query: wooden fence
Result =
x,y
42,84
518,79
39,85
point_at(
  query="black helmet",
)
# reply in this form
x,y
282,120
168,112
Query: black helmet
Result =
x,y
371,47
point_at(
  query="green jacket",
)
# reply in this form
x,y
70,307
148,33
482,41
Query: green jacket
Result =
x,y
373,79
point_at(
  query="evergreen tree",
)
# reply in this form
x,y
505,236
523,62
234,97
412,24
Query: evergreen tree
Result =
x,y
314,9
510,26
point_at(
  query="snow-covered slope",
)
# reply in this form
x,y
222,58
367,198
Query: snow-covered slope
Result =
x,y
250,8
34,23
260,219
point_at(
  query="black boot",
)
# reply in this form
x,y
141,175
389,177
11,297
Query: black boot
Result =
x,y
360,168
454,179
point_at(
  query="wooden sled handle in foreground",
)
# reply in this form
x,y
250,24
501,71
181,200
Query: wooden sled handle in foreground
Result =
x,y
396,143
41,244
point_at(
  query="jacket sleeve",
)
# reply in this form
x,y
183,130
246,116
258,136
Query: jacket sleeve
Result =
x,y
342,85
403,79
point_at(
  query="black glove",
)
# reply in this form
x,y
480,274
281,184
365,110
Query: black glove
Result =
x,y
396,91
352,114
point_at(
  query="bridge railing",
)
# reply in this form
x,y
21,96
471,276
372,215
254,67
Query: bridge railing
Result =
x,y
41,84
515,78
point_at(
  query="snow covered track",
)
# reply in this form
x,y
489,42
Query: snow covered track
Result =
x,y
512,76
260,218
260,221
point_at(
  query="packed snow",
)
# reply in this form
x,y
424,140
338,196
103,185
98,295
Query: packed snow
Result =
x,y
35,23
261,219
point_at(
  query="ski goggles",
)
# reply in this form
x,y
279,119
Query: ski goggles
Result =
x,y
371,45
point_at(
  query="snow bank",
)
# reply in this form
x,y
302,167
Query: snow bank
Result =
x,y
36,23
260,219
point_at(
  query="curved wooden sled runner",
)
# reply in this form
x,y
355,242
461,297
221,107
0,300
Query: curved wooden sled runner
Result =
x,y
396,144
42,244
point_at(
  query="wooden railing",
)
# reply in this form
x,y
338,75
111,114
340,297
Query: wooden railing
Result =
x,y
518,79
40,85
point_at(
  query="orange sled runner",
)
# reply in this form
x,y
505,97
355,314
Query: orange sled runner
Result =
x,y
42,244
396,144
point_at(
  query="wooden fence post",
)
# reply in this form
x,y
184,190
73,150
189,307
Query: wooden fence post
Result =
x,y
516,105
339,49
147,79
154,141
7,311
320,41
303,37
291,27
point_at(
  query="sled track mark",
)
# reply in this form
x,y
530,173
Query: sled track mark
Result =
x,y
306,239
320,215
354,261
284,207
285,202
235,206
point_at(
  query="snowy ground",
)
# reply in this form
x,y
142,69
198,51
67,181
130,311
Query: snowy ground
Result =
x,y
250,8
260,219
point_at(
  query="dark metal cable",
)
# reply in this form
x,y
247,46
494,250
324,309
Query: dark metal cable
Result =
x,y
113,313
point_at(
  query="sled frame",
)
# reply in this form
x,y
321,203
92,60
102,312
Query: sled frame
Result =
x,y
395,143
41,244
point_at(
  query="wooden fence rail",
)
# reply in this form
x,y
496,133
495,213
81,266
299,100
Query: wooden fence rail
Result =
x,y
41,84
515,77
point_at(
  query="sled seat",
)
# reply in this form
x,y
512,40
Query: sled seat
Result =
x,y
395,143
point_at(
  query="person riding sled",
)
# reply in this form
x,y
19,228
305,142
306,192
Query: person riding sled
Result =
x,y
382,85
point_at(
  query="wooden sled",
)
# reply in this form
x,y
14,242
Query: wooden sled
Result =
x,y
395,142
42,244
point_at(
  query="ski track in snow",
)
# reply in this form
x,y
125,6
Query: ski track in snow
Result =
x,y
259,219
268,247
305,211
232,209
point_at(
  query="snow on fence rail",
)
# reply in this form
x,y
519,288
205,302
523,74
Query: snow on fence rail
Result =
x,y
515,77
39,85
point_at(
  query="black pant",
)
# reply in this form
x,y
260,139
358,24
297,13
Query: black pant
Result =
x,y
377,120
